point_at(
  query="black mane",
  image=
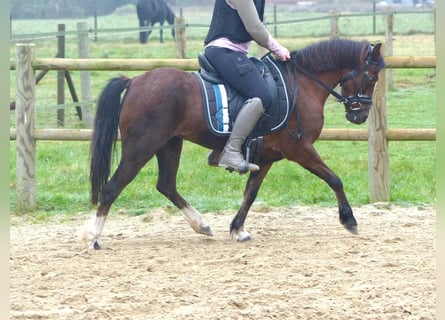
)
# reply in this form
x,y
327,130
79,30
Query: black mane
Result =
x,y
329,55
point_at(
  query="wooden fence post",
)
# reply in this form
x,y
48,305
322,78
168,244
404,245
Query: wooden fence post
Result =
x,y
388,46
25,121
181,50
85,77
334,13
434,30
95,26
61,76
378,156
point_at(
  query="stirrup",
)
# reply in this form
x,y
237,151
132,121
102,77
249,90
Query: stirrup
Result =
x,y
230,163
241,170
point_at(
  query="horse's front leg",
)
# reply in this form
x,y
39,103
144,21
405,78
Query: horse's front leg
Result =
x,y
346,215
310,160
237,230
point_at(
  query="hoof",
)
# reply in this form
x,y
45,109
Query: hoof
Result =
x,y
351,228
243,236
206,231
95,245
348,221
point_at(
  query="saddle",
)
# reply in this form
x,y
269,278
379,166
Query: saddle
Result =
x,y
222,102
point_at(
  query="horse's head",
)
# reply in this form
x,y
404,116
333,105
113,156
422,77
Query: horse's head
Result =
x,y
357,86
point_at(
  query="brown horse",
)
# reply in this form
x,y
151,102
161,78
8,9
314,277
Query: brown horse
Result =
x,y
164,106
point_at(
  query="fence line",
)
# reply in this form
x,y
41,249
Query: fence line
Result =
x,y
392,62
26,135
334,15
326,134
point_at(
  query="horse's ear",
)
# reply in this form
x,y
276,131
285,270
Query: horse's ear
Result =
x,y
376,50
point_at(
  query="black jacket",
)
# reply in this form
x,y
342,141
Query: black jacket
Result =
x,y
227,23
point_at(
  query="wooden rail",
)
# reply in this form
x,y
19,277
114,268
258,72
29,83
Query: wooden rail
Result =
x,y
326,134
393,62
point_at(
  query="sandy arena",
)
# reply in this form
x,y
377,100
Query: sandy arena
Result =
x,y
300,264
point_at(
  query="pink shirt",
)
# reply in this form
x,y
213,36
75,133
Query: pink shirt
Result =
x,y
226,43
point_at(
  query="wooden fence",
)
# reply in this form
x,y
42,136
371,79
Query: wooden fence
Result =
x,y
26,135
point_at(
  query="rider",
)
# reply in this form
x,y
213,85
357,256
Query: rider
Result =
x,y
235,23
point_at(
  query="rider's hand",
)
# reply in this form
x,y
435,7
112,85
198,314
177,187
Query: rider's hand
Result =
x,y
281,52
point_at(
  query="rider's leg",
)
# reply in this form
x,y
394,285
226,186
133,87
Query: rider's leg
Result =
x,y
231,157
239,72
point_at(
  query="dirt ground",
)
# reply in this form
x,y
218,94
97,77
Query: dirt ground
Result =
x,y
300,264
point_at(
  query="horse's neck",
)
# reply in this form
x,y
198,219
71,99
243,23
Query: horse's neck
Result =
x,y
332,78
317,87
171,18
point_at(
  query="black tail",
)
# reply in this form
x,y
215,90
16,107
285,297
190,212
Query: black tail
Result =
x,y
105,134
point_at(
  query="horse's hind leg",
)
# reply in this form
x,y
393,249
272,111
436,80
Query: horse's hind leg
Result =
x,y
136,152
168,163
124,174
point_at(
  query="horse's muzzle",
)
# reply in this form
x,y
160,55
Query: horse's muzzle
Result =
x,y
357,108
357,116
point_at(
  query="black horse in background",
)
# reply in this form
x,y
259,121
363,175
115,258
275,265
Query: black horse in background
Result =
x,y
151,12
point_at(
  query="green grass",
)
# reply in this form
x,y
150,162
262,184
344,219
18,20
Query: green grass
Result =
x,y
62,167
63,187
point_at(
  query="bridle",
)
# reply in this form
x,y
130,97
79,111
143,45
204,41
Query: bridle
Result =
x,y
352,103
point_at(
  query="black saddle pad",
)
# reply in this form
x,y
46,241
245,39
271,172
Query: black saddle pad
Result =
x,y
222,103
